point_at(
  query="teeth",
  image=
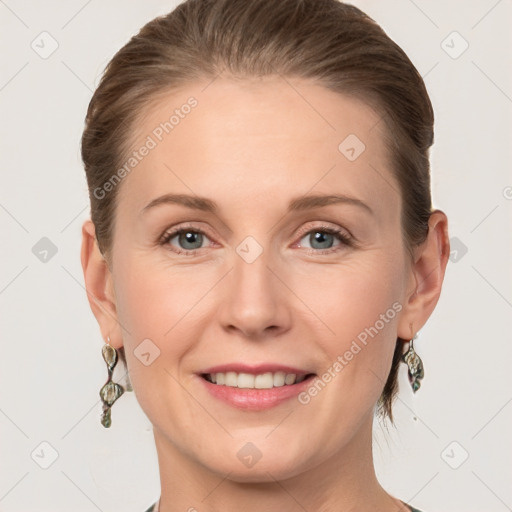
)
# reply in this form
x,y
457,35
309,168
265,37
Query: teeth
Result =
x,y
230,379
279,379
290,378
242,380
249,381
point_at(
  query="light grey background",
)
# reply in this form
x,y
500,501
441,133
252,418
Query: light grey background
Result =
x,y
51,367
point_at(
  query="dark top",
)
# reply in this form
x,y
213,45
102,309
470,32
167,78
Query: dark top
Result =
x,y
152,508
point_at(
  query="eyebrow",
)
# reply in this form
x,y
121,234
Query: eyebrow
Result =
x,y
297,204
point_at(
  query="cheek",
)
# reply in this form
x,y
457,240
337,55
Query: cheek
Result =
x,y
152,294
360,305
152,307
351,297
142,301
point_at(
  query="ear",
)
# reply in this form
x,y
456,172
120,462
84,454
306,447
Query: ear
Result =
x,y
426,277
99,286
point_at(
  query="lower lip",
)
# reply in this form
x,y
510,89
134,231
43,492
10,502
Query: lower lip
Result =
x,y
255,399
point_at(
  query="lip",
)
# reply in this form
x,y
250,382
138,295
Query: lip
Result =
x,y
254,370
255,399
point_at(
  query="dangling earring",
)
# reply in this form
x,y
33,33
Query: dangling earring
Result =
x,y
414,365
111,391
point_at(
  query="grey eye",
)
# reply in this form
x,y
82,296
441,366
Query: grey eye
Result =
x,y
188,239
320,239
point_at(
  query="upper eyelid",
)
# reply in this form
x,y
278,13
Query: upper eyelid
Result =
x,y
172,232
324,226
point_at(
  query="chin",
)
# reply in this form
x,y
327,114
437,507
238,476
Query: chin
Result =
x,y
266,469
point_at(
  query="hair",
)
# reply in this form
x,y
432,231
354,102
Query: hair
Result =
x,y
334,44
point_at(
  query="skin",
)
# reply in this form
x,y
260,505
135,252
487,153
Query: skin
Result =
x,y
252,146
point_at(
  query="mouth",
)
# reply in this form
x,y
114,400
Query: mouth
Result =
x,y
254,387
264,380
256,391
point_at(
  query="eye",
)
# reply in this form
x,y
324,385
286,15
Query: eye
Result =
x,y
189,239
322,238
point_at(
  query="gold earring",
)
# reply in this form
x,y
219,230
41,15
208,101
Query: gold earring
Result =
x,y
111,391
414,366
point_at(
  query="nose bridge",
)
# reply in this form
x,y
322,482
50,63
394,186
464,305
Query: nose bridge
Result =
x,y
254,301
251,271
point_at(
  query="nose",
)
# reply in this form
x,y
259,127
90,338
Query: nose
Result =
x,y
256,300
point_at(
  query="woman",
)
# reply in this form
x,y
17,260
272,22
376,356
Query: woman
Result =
x,y
262,247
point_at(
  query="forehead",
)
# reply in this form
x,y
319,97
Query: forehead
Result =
x,y
236,138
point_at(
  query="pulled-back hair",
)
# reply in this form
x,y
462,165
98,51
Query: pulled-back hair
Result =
x,y
334,44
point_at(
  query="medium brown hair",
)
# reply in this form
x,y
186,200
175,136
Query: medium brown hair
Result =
x,y
334,44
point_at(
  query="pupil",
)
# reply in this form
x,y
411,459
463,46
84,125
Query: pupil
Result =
x,y
319,237
192,237
189,236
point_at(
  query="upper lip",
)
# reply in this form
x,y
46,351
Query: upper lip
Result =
x,y
255,370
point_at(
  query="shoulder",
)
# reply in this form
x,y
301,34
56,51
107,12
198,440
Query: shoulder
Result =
x,y
152,508
410,507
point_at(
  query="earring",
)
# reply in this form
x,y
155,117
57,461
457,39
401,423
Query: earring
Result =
x,y
414,366
111,391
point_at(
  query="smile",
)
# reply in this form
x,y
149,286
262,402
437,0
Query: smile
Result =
x,y
265,380
254,388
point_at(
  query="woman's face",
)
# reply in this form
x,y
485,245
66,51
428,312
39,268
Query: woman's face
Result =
x,y
261,282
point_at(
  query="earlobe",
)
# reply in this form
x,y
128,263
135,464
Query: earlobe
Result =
x,y
428,271
99,285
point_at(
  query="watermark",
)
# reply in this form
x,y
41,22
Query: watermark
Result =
x,y
455,455
249,454
44,44
249,249
341,361
44,249
458,249
44,454
454,45
351,147
146,352
151,142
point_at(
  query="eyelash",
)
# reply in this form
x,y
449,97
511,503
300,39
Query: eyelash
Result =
x,y
342,237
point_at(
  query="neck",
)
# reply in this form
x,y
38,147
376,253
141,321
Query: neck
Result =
x,y
345,482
